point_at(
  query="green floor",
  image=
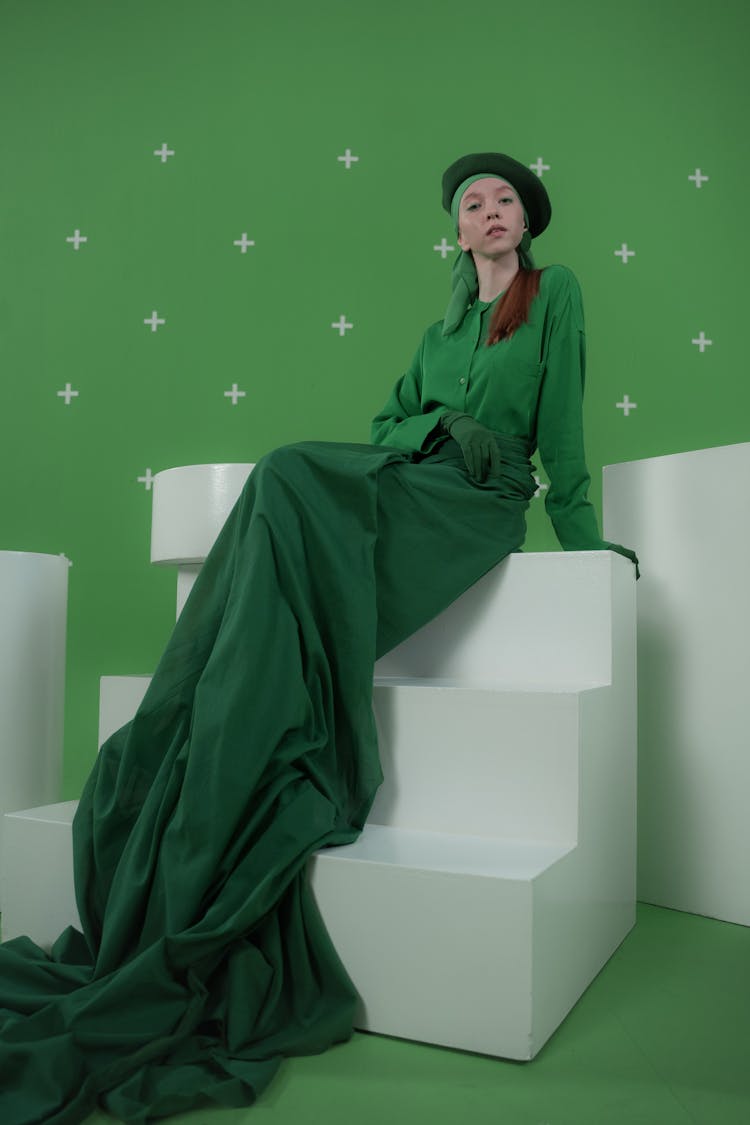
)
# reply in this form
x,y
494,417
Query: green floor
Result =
x,y
662,1037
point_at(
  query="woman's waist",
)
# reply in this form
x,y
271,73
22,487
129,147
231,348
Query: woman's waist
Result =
x,y
514,450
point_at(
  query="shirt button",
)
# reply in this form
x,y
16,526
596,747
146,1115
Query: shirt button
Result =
x,y
462,381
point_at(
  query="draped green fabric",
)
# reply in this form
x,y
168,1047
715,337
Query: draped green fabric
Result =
x,y
203,959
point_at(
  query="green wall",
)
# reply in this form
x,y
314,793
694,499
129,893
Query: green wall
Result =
x,y
622,101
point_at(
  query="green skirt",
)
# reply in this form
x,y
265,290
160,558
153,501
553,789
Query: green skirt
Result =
x,y
203,960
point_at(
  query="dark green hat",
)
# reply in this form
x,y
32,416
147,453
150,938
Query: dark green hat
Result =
x,y
528,185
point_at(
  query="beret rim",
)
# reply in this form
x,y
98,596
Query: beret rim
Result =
x,y
527,184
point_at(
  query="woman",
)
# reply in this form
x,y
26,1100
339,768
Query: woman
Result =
x,y
516,366
203,960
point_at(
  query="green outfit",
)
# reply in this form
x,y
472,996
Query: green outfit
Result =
x,y
530,386
203,959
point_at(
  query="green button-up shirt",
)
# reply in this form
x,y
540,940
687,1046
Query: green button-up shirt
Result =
x,y
530,386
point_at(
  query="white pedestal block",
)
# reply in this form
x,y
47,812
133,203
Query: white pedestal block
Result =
x,y
36,873
119,699
480,944
454,922
189,507
190,504
535,620
33,609
686,515
186,576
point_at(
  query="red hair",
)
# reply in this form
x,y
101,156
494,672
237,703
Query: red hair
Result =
x,y
512,310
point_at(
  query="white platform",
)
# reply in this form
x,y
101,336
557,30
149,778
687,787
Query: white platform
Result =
x,y
536,620
36,873
189,507
687,516
33,615
485,941
497,872
119,699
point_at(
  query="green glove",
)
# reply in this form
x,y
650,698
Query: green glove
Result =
x,y
477,443
628,555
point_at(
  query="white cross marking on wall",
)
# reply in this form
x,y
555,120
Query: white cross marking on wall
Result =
x,y
67,394
234,394
624,253
698,177
243,242
348,159
539,167
626,405
154,321
147,480
77,239
443,248
164,152
702,342
539,487
342,324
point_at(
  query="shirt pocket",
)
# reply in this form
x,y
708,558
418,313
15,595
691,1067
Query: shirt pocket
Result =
x,y
525,368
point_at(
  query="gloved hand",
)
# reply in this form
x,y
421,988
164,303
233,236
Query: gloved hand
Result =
x,y
628,555
477,443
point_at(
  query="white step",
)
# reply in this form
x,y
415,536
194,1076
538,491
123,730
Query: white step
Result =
x,y
687,514
457,760
36,873
552,619
484,945
485,763
33,615
468,942
485,942
189,506
119,699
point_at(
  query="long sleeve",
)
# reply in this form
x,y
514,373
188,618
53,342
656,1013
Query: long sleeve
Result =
x,y
401,422
560,423
560,426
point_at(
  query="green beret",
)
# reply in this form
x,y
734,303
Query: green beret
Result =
x,y
527,185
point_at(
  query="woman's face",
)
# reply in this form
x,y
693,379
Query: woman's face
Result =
x,y
490,218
